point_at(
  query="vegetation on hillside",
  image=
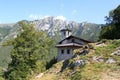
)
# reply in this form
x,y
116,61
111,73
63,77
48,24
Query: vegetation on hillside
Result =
x,y
112,28
100,68
89,31
30,54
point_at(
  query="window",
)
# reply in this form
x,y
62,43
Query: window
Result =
x,y
68,51
73,40
68,32
64,33
62,51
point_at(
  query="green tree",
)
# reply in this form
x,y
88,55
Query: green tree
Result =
x,y
112,28
30,50
1,74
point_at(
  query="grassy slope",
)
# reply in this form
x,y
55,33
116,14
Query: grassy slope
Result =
x,y
91,70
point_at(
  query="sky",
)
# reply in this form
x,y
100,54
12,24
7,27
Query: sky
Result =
x,y
93,11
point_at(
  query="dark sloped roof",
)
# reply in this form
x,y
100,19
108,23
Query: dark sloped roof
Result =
x,y
66,30
69,45
76,38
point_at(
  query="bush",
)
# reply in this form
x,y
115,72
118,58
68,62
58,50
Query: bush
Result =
x,y
30,50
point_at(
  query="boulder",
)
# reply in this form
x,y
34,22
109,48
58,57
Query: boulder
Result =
x,y
116,53
110,60
79,63
101,45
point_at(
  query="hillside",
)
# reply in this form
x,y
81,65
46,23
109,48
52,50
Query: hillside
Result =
x,y
101,63
4,30
8,32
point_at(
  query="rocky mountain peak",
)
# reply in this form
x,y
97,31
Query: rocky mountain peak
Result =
x,y
53,25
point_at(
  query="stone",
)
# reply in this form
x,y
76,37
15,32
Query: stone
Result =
x,y
118,48
40,75
84,52
101,45
110,60
116,53
79,63
95,58
98,59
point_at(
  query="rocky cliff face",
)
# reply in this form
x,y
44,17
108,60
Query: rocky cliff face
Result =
x,y
89,31
52,26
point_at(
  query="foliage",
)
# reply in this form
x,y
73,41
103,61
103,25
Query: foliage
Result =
x,y
51,62
1,74
31,48
112,28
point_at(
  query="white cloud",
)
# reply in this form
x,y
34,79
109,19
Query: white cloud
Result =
x,y
60,17
46,16
33,16
36,16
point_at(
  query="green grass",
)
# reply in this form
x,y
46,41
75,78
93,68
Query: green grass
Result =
x,y
92,71
95,70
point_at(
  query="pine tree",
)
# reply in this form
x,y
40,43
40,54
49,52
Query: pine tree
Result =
x,y
112,28
31,47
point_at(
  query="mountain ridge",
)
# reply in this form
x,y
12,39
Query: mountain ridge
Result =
x,y
52,26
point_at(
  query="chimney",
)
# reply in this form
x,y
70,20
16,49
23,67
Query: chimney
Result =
x,y
66,33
